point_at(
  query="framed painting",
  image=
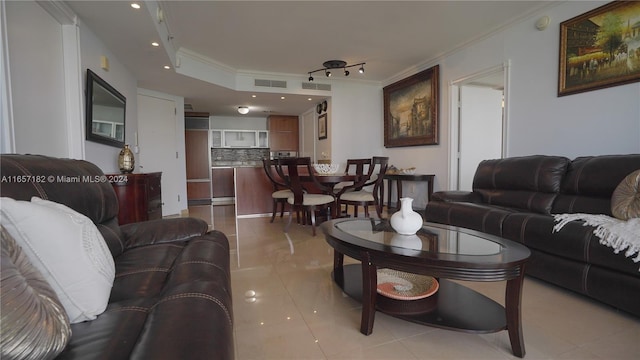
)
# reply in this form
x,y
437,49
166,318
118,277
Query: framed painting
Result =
x,y
322,126
600,48
411,110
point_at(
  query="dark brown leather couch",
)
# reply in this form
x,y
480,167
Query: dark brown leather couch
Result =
x,y
515,198
171,298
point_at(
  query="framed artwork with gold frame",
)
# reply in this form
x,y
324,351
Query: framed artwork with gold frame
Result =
x,y
600,48
411,110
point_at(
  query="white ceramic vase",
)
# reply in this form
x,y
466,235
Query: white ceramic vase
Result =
x,y
406,221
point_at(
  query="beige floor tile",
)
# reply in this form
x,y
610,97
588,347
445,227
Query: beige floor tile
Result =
x,y
445,344
390,351
277,342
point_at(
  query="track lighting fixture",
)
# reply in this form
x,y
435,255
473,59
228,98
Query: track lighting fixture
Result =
x,y
336,64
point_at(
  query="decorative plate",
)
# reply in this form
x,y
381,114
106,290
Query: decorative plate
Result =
x,y
401,285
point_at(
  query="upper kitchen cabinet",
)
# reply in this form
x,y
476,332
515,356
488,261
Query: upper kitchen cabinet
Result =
x,y
283,132
239,139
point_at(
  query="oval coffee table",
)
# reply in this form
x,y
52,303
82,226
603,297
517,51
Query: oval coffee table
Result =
x,y
441,251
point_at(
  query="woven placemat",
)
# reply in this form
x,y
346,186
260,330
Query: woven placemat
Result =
x,y
401,285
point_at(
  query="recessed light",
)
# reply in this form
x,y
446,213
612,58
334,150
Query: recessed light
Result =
x,y
254,95
282,97
309,99
135,5
155,44
167,67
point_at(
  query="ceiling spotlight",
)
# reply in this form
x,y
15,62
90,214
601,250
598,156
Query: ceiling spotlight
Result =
x,y
155,43
243,110
167,67
135,5
336,64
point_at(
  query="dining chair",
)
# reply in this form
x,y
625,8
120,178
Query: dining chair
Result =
x,y
301,200
356,195
281,190
354,167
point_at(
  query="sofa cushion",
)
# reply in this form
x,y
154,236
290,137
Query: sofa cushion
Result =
x,y
591,180
625,201
527,182
68,250
34,324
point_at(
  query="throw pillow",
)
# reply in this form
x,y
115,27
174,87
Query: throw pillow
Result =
x,y
68,250
34,325
625,200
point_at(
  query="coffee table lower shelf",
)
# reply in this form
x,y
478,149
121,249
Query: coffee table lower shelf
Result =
x,y
453,307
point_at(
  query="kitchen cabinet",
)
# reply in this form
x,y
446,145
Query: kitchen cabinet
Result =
x,y
254,191
222,182
197,157
139,197
283,132
239,138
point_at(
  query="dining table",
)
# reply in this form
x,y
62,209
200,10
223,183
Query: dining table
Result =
x,y
330,181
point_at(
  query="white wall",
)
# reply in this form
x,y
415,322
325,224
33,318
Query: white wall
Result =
x,y
118,76
605,121
355,122
37,88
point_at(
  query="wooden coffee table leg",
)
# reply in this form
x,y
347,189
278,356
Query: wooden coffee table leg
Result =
x,y
369,292
338,269
513,304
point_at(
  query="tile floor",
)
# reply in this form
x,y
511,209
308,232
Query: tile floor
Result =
x,y
298,313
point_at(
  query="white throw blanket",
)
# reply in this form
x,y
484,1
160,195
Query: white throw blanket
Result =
x,y
614,233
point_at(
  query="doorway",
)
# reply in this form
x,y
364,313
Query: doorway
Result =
x,y
478,123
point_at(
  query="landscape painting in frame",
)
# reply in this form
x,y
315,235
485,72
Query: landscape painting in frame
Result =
x,y
411,110
600,48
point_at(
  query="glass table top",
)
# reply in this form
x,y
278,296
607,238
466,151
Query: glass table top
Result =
x,y
428,239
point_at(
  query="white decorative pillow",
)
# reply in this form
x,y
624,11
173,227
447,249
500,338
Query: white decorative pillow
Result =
x,y
68,250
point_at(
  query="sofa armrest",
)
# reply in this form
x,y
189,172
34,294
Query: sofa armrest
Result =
x,y
162,231
457,196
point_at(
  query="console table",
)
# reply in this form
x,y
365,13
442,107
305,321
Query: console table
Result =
x,y
399,178
139,196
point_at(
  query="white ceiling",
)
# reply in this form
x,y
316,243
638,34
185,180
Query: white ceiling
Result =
x,y
292,38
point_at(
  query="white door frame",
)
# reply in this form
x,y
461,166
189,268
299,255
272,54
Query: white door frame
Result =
x,y
454,111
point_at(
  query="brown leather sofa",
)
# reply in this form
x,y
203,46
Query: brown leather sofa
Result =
x,y
515,198
171,298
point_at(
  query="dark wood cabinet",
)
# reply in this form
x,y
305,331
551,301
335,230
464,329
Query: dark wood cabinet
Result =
x,y
197,153
222,182
139,196
254,191
283,132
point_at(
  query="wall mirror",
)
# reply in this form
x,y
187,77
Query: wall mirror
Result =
x,y
105,111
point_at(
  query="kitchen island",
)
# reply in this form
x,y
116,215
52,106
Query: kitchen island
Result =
x,y
252,195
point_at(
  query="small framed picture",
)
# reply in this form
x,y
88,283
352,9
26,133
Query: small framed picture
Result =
x,y
322,126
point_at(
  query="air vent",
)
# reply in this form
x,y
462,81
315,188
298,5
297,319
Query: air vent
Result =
x,y
314,86
270,83
188,107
